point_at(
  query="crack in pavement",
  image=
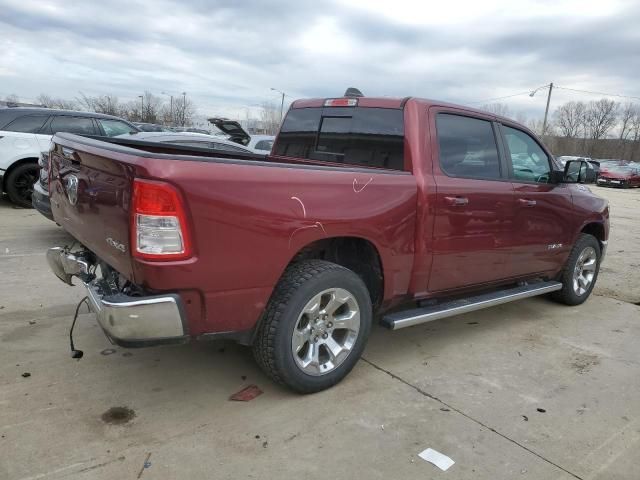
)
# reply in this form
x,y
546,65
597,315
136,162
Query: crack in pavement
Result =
x,y
451,407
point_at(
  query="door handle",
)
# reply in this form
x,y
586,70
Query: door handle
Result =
x,y
525,202
457,201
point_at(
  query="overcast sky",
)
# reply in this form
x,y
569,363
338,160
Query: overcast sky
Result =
x,y
226,55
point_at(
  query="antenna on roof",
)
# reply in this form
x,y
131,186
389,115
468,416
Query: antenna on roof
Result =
x,y
353,92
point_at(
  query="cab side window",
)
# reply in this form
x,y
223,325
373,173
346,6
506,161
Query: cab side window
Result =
x,y
467,147
529,162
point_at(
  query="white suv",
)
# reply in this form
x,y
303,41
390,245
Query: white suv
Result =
x,y
25,132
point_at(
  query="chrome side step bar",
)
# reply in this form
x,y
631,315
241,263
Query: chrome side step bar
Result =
x,y
408,318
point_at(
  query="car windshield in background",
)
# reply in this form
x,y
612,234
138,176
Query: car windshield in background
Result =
x,y
113,128
371,137
626,169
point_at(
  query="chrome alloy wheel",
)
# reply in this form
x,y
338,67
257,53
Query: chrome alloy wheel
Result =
x,y
585,271
326,331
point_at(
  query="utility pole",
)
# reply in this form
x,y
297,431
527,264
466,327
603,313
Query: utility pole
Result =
x,y
546,110
141,97
281,103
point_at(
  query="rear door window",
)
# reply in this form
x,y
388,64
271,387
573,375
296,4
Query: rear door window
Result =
x,y
372,137
468,147
27,124
77,125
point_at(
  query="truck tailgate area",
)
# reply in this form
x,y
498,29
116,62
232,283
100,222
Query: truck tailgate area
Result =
x,y
90,198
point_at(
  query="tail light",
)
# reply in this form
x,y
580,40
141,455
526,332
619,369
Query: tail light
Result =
x,y
159,227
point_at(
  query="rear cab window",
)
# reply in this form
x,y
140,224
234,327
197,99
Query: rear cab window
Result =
x,y
359,136
468,147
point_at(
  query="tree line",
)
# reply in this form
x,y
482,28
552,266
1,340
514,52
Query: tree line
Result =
x,y
599,129
176,111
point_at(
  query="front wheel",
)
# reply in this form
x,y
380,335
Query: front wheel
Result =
x,y
580,272
315,327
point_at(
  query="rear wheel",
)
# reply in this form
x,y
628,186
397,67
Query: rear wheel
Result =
x,y
315,326
20,182
580,272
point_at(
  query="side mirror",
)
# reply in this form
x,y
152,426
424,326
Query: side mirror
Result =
x,y
579,171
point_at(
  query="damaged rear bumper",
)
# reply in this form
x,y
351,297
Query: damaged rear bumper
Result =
x,y
126,320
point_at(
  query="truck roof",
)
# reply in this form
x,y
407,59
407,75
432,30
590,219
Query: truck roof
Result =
x,y
389,102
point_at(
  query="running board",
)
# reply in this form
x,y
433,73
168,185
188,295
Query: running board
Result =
x,y
408,318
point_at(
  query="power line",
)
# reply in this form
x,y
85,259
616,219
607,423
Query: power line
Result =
x,y
502,98
555,86
597,93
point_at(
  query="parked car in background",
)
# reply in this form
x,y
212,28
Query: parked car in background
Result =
x,y
261,143
234,132
189,139
624,176
26,132
365,206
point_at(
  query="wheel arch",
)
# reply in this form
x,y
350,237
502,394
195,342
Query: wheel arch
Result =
x,y
358,254
596,229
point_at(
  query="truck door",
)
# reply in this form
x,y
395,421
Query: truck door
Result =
x,y
474,204
544,210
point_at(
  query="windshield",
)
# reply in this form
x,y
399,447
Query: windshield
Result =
x,y
622,169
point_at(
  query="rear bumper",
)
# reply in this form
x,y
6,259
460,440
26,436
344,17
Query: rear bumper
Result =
x,y
40,201
127,321
138,321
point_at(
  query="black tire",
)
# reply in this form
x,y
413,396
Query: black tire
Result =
x,y
19,184
568,294
299,284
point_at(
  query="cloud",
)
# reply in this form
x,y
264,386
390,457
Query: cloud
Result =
x,y
226,55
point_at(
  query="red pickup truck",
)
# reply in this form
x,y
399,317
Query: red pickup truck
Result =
x,y
399,210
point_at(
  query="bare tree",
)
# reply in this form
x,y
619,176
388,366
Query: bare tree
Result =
x,y
183,111
521,118
500,109
59,103
13,98
600,118
634,130
628,111
107,104
570,119
535,125
270,117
